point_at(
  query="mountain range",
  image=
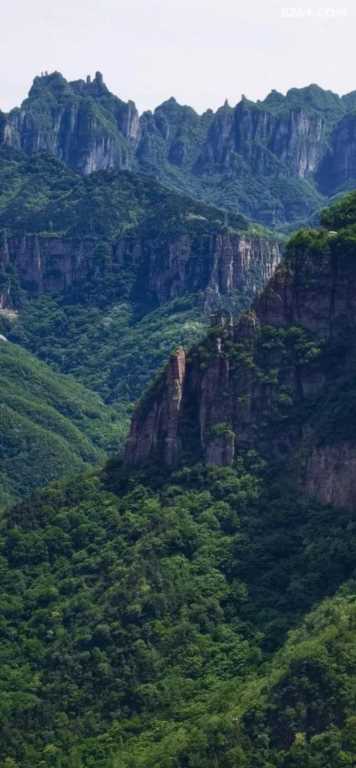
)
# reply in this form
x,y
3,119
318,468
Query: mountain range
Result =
x,y
100,276
276,161
193,603
180,592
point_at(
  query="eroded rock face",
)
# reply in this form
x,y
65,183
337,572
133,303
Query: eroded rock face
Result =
x,y
330,475
338,166
265,140
81,123
254,157
221,450
257,383
161,269
157,433
45,264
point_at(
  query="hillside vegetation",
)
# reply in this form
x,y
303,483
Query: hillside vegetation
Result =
x,y
107,328
149,628
41,195
51,426
198,618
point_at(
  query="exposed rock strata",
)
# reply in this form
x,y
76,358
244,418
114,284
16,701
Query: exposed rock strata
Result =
x,y
257,383
158,433
331,474
270,159
161,269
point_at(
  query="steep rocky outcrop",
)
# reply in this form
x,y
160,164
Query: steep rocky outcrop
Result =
x,y
265,140
273,160
330,474
81,123
158,432
337,169
159,269
279,381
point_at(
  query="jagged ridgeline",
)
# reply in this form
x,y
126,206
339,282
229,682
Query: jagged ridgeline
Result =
x,y
276,160
198,608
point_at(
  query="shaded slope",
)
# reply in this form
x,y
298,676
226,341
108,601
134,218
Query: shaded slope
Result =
x,y
51,426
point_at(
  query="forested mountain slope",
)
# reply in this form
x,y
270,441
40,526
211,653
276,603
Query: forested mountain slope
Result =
x,y
202,615
105,274
100,277
149,625
51,426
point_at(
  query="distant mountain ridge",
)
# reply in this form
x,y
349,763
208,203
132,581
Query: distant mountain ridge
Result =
x,y
275,160
193,604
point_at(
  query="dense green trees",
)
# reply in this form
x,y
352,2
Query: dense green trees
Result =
x,y
41,195
147,626
50,425
202,619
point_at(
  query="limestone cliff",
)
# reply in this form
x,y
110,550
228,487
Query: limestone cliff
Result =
x,y
159,269
273,160
81,123
158,431
279,381
337,169
265,140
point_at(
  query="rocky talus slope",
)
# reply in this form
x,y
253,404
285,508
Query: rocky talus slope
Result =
x,y
279,381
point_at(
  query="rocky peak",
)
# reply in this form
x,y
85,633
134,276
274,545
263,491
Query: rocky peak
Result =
x,y
99,80
97,87
253,157
157,433
80,122
53,82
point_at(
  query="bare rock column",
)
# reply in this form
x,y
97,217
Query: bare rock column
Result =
x,y
175,382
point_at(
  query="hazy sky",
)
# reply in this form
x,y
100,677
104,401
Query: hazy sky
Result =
x,y
200,51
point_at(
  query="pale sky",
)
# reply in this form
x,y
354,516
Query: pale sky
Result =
x,y
200,51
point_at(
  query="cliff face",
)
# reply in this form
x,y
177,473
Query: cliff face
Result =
x,y
160,269
330,475
280,381
265,141
337,169
157,432
273,160
80,123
